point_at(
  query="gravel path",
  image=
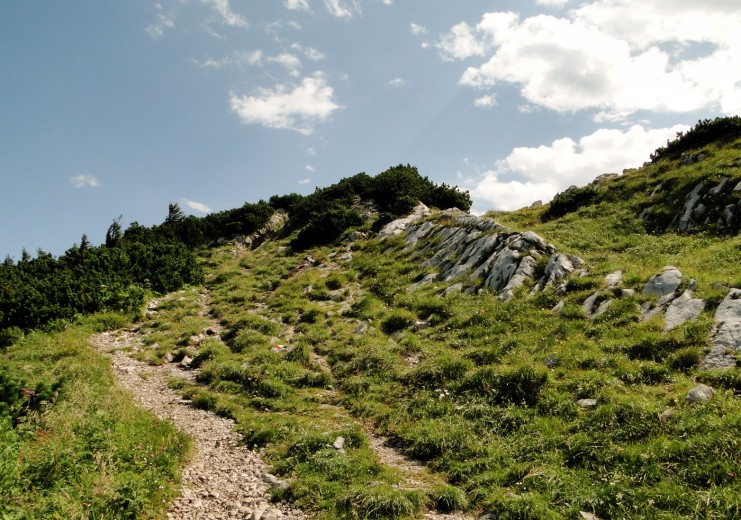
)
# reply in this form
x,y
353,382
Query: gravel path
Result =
x,y
224,480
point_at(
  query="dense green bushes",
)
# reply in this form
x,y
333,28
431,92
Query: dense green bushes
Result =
x,y
37,291
325,214
720,129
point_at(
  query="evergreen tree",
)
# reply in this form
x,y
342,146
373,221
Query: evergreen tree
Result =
x,y
114,234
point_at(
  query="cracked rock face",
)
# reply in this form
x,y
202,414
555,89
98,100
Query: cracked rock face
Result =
x,y
482,253
726,341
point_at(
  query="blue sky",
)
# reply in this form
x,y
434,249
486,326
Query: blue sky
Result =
x,y
120,108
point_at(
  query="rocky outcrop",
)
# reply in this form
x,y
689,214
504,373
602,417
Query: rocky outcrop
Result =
x,y
726,340
479,253
274,224
708,205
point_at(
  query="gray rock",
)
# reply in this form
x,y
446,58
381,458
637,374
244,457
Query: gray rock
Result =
x,y
682,309
685,218
186,361
339,443
588,307
453,289
421,325
664,283
424,281
726,340
398,226
602,308
700,394
613,279
587,403
361,328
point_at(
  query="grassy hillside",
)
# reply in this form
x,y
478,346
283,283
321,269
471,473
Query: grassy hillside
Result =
x,y
485,392
322,342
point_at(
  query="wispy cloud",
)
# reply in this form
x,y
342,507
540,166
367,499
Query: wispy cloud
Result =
x,y
339,8
210,63
310,52
309,168
289,61
84,181
296,108
397,82
223,11
197,206
298,5
304,181
165,20
417,29
485,101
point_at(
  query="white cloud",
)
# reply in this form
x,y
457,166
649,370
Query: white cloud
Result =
x,y
197,206
492,193
298,5
296,109
304,181
309,168
552,3
417,29
211,63
223,11
539,173
310,52
249,57
485,101
340,10
397,82
84,181
617,57
289,61
164,21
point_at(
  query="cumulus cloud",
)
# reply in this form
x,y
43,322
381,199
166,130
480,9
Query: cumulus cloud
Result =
x,y
84,181
296,108
616,57
298,5
197,206
528,174
397,82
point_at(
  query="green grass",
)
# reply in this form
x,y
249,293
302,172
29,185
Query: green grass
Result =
x,y
485,396
86,451
472,395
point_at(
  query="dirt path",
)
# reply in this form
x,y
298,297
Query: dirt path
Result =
x,y
224,480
